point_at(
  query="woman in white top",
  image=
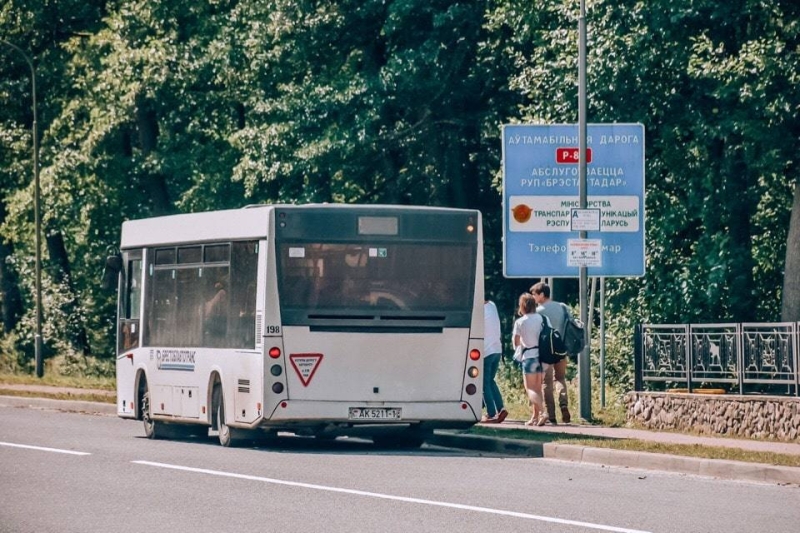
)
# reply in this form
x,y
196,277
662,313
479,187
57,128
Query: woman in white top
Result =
x,y
526,333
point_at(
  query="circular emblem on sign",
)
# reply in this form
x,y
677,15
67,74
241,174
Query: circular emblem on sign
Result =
x,y
521,212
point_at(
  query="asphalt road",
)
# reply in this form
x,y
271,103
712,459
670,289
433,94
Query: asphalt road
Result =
x,y
65,472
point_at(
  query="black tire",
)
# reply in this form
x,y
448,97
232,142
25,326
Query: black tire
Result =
x,y
226,434
150,426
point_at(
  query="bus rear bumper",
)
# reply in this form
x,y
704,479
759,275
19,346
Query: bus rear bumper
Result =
x,y
438,415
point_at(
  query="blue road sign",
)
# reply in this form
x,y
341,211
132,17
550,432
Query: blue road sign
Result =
x,y
540,189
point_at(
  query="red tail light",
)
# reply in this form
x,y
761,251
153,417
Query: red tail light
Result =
x,y
274,352
474,355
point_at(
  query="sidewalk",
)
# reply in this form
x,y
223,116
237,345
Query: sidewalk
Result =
x,y
717,468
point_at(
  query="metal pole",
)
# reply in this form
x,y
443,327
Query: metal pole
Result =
x,y
602,342
38,219
584,366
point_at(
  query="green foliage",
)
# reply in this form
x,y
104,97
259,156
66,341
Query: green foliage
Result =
x,y
149,107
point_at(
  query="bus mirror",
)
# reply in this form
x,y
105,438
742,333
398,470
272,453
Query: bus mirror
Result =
x,y
111,272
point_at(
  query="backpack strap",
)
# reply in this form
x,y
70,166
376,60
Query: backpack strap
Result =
x,y
566,318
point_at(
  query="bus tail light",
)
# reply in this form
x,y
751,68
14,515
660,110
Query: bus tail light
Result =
x,y
471,389
277,388
274,352
474,354
473,372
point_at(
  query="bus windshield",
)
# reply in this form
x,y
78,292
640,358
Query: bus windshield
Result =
x,y
376,278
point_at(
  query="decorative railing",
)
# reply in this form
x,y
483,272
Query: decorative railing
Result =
x,y
746,358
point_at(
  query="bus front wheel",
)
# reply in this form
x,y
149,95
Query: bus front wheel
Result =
x,y
150,425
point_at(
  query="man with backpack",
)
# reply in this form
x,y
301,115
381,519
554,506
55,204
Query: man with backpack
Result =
x,y
558,314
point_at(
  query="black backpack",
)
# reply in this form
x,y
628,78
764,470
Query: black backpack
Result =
x,y
551,345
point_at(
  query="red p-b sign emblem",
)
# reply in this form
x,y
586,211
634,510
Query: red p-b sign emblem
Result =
x,y
572,155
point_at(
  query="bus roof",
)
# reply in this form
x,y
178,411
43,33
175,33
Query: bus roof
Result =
x,y
231,224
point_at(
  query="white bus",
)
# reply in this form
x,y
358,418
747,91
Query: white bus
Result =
x,y
324,320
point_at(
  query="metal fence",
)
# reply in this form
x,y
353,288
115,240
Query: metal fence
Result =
x,y
747,358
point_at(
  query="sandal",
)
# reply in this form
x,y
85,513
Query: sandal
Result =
x,y
531,422
542,420
501,416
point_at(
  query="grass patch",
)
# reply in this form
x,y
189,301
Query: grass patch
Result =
x,y
52,385
57,380
635,445
509,379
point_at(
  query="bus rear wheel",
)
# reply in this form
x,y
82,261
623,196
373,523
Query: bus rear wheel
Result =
x,y
226,434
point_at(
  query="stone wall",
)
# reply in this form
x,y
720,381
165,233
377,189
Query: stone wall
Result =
x,y
757,417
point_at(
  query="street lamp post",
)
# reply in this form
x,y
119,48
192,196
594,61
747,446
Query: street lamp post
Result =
x,y
37,216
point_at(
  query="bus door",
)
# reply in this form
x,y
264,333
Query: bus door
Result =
x,y
128,328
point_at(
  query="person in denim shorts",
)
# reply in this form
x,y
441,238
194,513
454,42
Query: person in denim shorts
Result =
x,y
526,333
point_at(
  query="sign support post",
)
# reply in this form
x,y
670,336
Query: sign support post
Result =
x,y
584,364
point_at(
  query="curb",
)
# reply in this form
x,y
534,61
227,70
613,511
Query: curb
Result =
x,y
714,468
449,439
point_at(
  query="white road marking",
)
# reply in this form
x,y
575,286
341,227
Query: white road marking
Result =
x,y
42,449
312,486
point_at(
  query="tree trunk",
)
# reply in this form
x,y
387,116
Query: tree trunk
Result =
x,y
790,311
10,297
739,206
61,273
154,182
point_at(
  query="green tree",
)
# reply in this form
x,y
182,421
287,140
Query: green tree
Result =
x,y
40,29
150,107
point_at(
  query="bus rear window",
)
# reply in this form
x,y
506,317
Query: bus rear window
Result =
x,y
427,277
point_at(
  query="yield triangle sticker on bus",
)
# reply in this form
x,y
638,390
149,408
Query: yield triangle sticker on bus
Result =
x,y
305,364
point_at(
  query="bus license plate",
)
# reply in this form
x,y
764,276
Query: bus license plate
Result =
x,y
375,413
